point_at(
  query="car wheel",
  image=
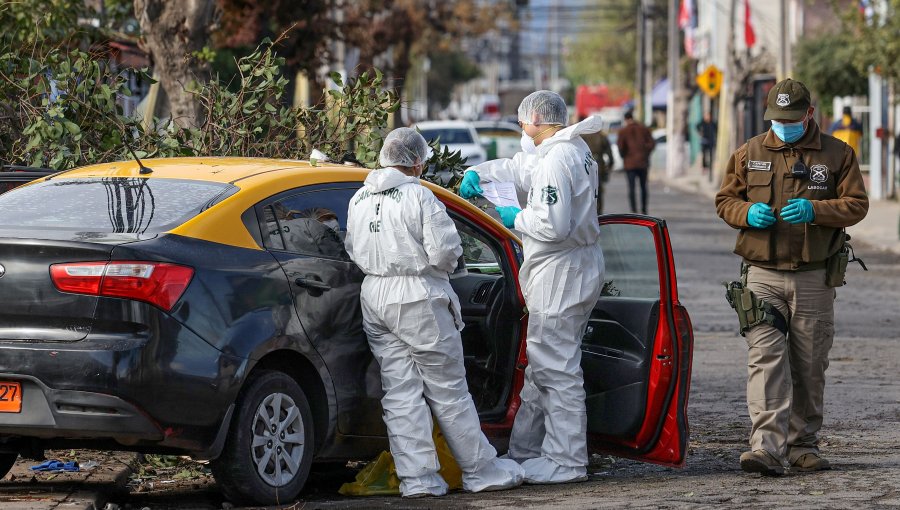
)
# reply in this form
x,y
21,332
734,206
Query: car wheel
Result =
x,y
7,461
269,449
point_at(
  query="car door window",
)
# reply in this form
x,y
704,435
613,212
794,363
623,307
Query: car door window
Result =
x,y
478,255
632,268
312,223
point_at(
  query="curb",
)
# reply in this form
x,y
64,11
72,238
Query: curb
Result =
x,y
113,483
83,490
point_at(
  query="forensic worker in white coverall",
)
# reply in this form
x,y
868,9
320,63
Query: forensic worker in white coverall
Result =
x,y
400,235
562,276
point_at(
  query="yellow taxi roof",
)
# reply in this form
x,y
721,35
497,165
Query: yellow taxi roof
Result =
x,y
213,169
257,178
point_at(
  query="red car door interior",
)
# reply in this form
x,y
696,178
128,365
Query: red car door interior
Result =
x,y
637,348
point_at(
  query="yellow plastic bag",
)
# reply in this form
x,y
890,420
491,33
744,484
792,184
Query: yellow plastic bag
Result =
x,y
379,477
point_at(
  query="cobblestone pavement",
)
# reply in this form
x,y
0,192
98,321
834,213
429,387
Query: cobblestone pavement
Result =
x,y
861,434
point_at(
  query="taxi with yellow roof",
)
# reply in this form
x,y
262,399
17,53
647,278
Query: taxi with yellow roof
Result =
x,y
207,307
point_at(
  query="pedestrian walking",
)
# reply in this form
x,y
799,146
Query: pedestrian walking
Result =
x,y
635,145
561,276
790,192
400,235
707,129
848,129
601,149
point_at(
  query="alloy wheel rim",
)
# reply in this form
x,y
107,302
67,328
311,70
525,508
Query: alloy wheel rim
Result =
x,y
278,440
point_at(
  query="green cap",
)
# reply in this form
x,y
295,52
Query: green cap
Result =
x,y
788,100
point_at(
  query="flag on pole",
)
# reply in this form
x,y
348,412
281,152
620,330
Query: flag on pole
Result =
x,y
749,34
687,21
685,13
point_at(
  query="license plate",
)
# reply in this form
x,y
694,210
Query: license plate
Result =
x,y
10,397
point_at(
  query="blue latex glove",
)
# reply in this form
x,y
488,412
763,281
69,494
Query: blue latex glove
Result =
x,y
469,187
508,215
798,210
760,215
56,465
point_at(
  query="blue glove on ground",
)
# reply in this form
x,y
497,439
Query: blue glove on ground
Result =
x,y
760,215
508,215
798,210
469,187
56,465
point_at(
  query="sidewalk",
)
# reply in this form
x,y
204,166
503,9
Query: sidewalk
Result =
x,y
87,489
880,229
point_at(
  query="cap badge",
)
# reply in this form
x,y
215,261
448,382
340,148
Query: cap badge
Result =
x,y
783,100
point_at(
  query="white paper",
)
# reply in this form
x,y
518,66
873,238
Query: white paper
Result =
x,y
501,193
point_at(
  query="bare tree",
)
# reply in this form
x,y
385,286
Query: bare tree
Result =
x,y
172,33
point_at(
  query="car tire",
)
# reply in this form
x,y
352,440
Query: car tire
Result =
x,y
7,461
264,461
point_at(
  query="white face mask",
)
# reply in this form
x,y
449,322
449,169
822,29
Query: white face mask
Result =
x,y
528,144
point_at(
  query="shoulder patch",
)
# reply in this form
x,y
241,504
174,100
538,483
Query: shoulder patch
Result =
x,y
763,166
549,195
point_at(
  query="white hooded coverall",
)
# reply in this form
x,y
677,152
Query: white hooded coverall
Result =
x,y
562,276
400,235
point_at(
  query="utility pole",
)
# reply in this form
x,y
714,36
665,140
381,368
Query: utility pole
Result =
x,y
639,76
645,60
726,139
554,44
674,134
649,15
784,46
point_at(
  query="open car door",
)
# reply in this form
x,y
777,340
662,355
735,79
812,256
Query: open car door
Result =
x,y
637,348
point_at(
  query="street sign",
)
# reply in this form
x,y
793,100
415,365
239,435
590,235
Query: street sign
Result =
x,y
710,81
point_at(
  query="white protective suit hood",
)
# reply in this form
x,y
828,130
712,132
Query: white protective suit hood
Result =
x,y
387,178
589,125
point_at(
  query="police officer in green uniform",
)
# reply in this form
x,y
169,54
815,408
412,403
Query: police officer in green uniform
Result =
x,y
790,192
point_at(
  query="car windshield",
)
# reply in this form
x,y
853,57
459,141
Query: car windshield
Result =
x,y
109,204
448,135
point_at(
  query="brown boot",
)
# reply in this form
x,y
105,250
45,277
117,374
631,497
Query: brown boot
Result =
x,y
810,462
762,462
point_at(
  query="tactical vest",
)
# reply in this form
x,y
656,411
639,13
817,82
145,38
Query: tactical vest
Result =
x,y
769,180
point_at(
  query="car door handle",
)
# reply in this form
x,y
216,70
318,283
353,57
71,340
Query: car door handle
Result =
x,y
309,283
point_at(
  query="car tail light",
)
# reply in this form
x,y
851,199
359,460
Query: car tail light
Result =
x,y
157,283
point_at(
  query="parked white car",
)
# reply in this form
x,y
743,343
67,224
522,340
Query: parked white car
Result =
x,y
500,139
457,135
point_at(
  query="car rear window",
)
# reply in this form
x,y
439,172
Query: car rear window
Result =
x,y
449,135
109,204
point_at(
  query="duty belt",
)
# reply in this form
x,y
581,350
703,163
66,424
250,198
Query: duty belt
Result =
x,y
751,310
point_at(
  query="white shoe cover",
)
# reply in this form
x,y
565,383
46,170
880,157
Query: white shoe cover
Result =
x,y
428,485
497,475
544,471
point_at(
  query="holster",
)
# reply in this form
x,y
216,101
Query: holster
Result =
x,y
751,310
836,265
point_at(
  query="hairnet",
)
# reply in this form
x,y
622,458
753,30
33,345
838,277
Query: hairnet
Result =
x,y
403,147
543,107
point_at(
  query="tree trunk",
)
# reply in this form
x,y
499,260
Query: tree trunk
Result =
x,y
172,31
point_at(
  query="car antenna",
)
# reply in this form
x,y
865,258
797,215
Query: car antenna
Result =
x,y
144,169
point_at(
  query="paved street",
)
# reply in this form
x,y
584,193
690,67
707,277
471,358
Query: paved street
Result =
x,y
861,434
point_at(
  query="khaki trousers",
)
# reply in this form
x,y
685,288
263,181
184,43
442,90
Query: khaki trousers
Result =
x,y
786,376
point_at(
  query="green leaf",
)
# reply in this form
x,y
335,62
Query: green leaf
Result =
x,y
71,127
